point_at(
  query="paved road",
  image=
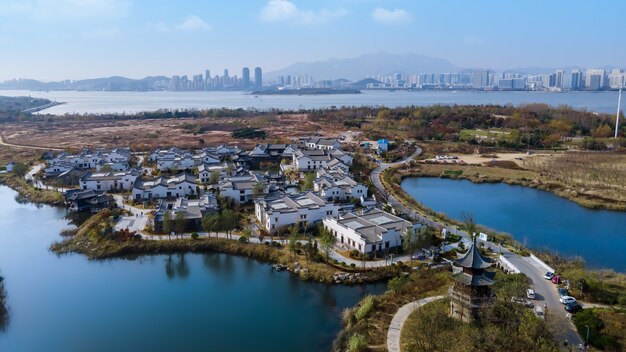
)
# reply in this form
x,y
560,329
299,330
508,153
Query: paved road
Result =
x,y
398,320
546,293
545,290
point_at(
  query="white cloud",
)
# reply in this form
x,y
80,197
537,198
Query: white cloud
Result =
x,y
103,33
190,24
394,16
471,40
194,23
287,11
66,9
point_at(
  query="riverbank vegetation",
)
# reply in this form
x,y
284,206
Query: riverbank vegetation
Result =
x,y
504,326
607,328
366,324
96,239
28,191
4,310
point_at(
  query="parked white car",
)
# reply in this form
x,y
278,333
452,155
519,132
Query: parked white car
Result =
x,y
567,299
530,293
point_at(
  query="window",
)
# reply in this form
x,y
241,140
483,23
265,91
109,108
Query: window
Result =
x,y
275,219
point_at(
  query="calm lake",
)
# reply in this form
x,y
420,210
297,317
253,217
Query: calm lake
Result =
x,y
130,102
192,302
536,218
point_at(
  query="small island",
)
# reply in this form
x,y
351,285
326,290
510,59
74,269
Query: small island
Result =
x,y
306,91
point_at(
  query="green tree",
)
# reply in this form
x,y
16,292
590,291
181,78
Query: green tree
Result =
x,y
168,226
209,222
179,220
307,184
327,242
214,178
294,237
20,169
106,168
603,131
258,190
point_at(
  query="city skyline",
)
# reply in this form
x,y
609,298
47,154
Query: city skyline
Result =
x,y
54,40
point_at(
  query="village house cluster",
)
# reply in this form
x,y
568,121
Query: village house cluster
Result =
x,y
268,177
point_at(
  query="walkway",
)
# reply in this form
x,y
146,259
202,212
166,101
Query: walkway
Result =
x,y
395,328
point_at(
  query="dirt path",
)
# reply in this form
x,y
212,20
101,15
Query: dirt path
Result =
x,y
11,145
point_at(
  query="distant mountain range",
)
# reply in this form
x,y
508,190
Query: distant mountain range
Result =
x,y
115,83
366,65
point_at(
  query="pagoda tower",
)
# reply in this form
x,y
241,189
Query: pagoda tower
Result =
x,y
472,284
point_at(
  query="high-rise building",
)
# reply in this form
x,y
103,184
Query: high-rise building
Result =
x,y
245,76
480,79
258,77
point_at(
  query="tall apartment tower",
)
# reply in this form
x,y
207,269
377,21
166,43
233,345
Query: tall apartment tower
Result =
x,y
258,77
245,76
480,79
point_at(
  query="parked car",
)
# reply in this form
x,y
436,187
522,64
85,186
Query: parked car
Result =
x,y
573,307
523,301
548,275
567,299
530,293
556,279
539,312
562,292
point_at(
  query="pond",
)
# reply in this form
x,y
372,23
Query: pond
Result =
x,y
178,302
537,219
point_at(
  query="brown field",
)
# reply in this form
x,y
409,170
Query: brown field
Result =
x,y
147,134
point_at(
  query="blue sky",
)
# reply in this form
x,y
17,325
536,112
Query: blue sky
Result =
x,y
56,39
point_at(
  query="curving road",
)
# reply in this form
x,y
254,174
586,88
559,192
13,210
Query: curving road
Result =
x,y
546,292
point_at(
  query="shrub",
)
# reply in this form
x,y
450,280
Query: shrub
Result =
x,y
243,239
354,253
357,343
397,284
194,236
352,265
365,309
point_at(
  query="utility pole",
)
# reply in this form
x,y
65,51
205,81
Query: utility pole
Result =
x,y
619,102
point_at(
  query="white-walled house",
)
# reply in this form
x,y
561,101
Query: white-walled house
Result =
x,y
322,143
373,230
310,160
224,170
178,163
304,209
339,189
162,187
241,188
206,158
108,181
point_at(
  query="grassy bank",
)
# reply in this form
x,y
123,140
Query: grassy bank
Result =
x,y
594,286
29,192
366,324
591,197
95,240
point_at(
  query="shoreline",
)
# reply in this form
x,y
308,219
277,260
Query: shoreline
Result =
x,y
30,193
586,200
89,241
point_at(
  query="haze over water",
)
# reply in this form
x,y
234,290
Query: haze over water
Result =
x,y
97,102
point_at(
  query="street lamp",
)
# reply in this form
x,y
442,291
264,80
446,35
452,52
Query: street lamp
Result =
x,y
587,340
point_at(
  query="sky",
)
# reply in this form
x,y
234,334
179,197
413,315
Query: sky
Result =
x,y
77,39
